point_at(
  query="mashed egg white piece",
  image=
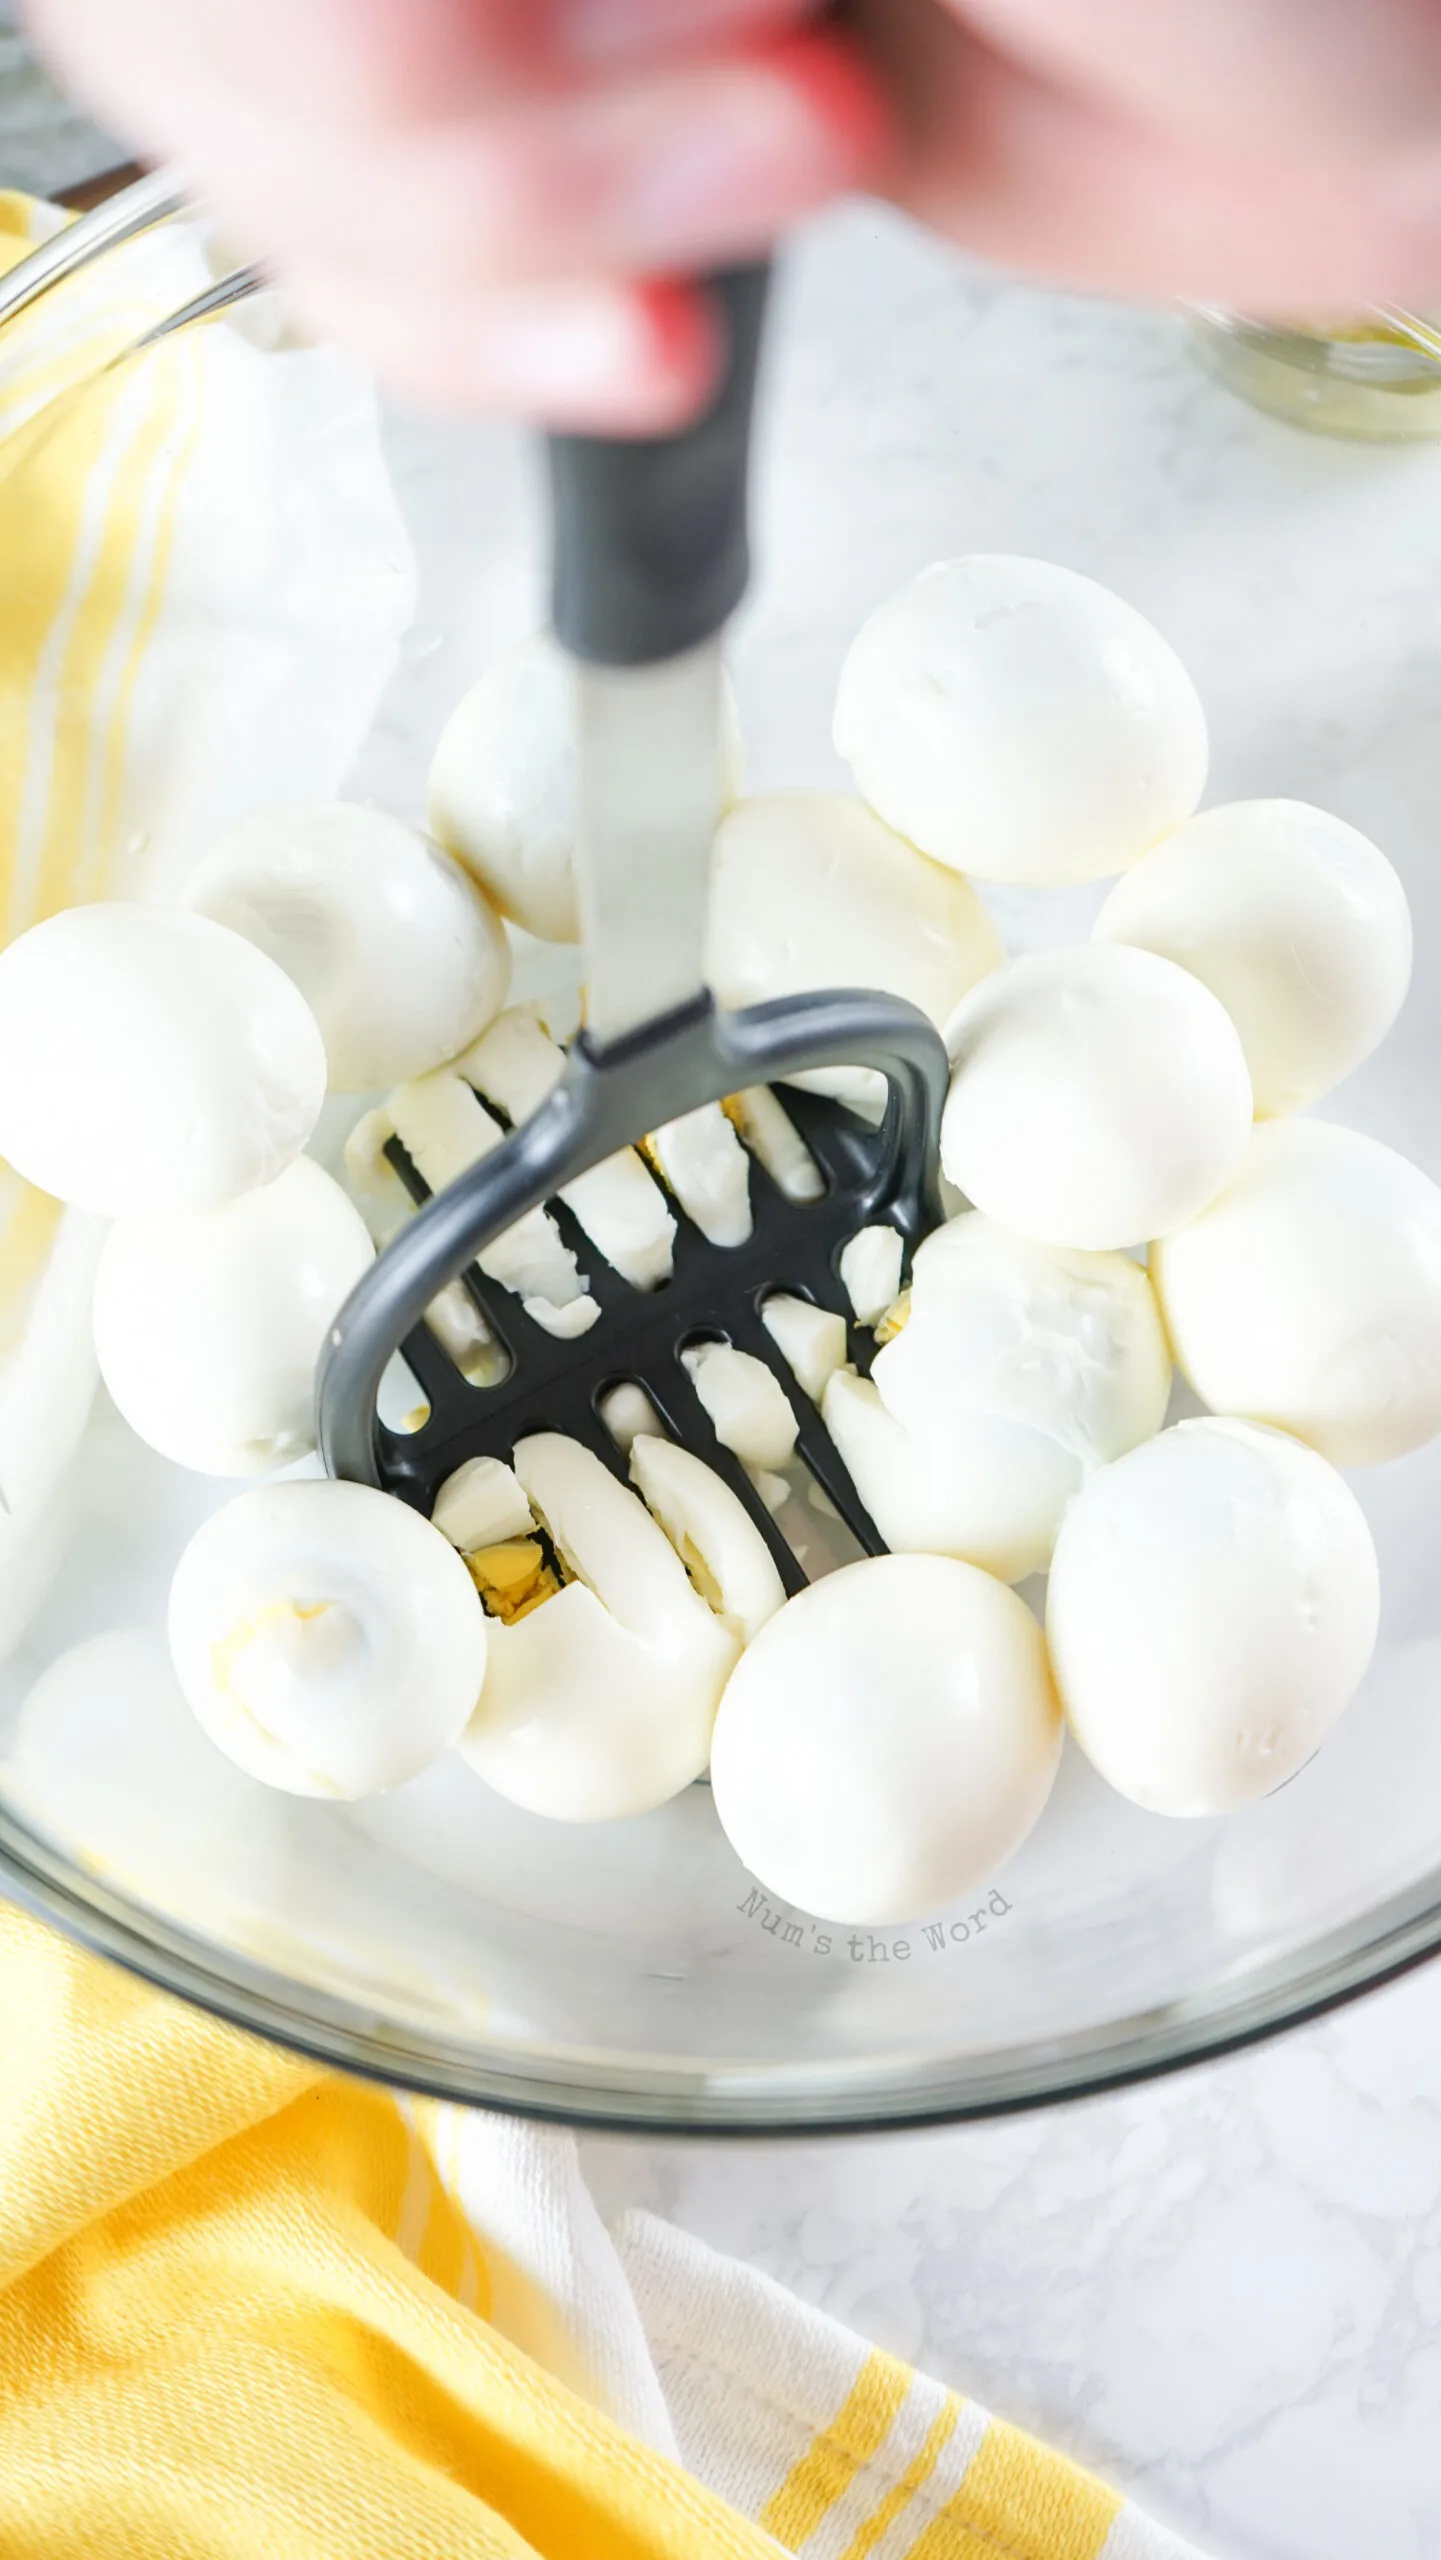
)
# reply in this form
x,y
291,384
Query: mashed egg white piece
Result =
x,y
1019,722
1296,922
887,1741
1308,1294
401,958
749,1410
1099,1096
629,1415
811,1339
482,1505
209,1322
776,1142
386,1206
327,1637
712,1533
707,1168
151,1060
1020,1369
599,1702
1213,1606
517,1065
870,1270
445,1128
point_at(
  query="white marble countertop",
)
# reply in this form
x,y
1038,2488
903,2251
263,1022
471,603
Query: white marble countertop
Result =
x,y
1221,2290
1224,2289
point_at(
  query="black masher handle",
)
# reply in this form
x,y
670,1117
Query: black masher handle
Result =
x,y
652,551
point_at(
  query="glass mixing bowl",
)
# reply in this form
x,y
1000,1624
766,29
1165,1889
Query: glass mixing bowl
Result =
x,y
1370,383
632,1975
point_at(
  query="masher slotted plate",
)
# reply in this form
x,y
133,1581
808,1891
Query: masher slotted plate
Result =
x,y
714,1290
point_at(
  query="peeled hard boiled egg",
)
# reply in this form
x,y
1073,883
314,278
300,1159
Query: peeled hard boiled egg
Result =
x,y
151,1060
1019,722
887,1741
599,1703
1294,920
1020,1369
1099,1098
327,1637
812,889
401,958
1213,1606
209,1322
1309,1293
503,786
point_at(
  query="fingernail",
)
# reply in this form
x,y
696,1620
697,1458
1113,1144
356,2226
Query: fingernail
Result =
x,y
633,358
600,32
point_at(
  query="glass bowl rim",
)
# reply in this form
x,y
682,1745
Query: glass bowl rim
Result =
x,y
1377,364
1390,1940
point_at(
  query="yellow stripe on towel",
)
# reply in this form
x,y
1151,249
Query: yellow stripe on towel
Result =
x,y
910,2486
93,466
90,489
830,2463
73,517
1020,2501
141,614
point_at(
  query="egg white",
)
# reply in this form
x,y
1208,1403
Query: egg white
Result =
x,y
887,1741
1212,1608
1296,923
209,1322
1019,722
151,1060
1099,1096
400,956
327,1637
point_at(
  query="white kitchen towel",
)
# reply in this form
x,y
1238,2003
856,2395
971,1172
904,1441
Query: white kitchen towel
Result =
x,y
557,2286
837,2450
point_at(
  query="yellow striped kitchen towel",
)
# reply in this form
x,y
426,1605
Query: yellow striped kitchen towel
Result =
x,y
840,2451
86,524
246,2314
203,587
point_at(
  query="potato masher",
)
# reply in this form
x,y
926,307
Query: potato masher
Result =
x,y
651,558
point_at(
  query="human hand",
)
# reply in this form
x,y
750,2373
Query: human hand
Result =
x,y
480,195
474,192
1279,156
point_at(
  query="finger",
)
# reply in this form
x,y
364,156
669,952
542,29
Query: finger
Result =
x,y
1026,174
1309,75
599,35
670,172
161,65
604,358
160,68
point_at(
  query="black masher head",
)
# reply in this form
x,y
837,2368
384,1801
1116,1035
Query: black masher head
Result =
x,y
651,559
